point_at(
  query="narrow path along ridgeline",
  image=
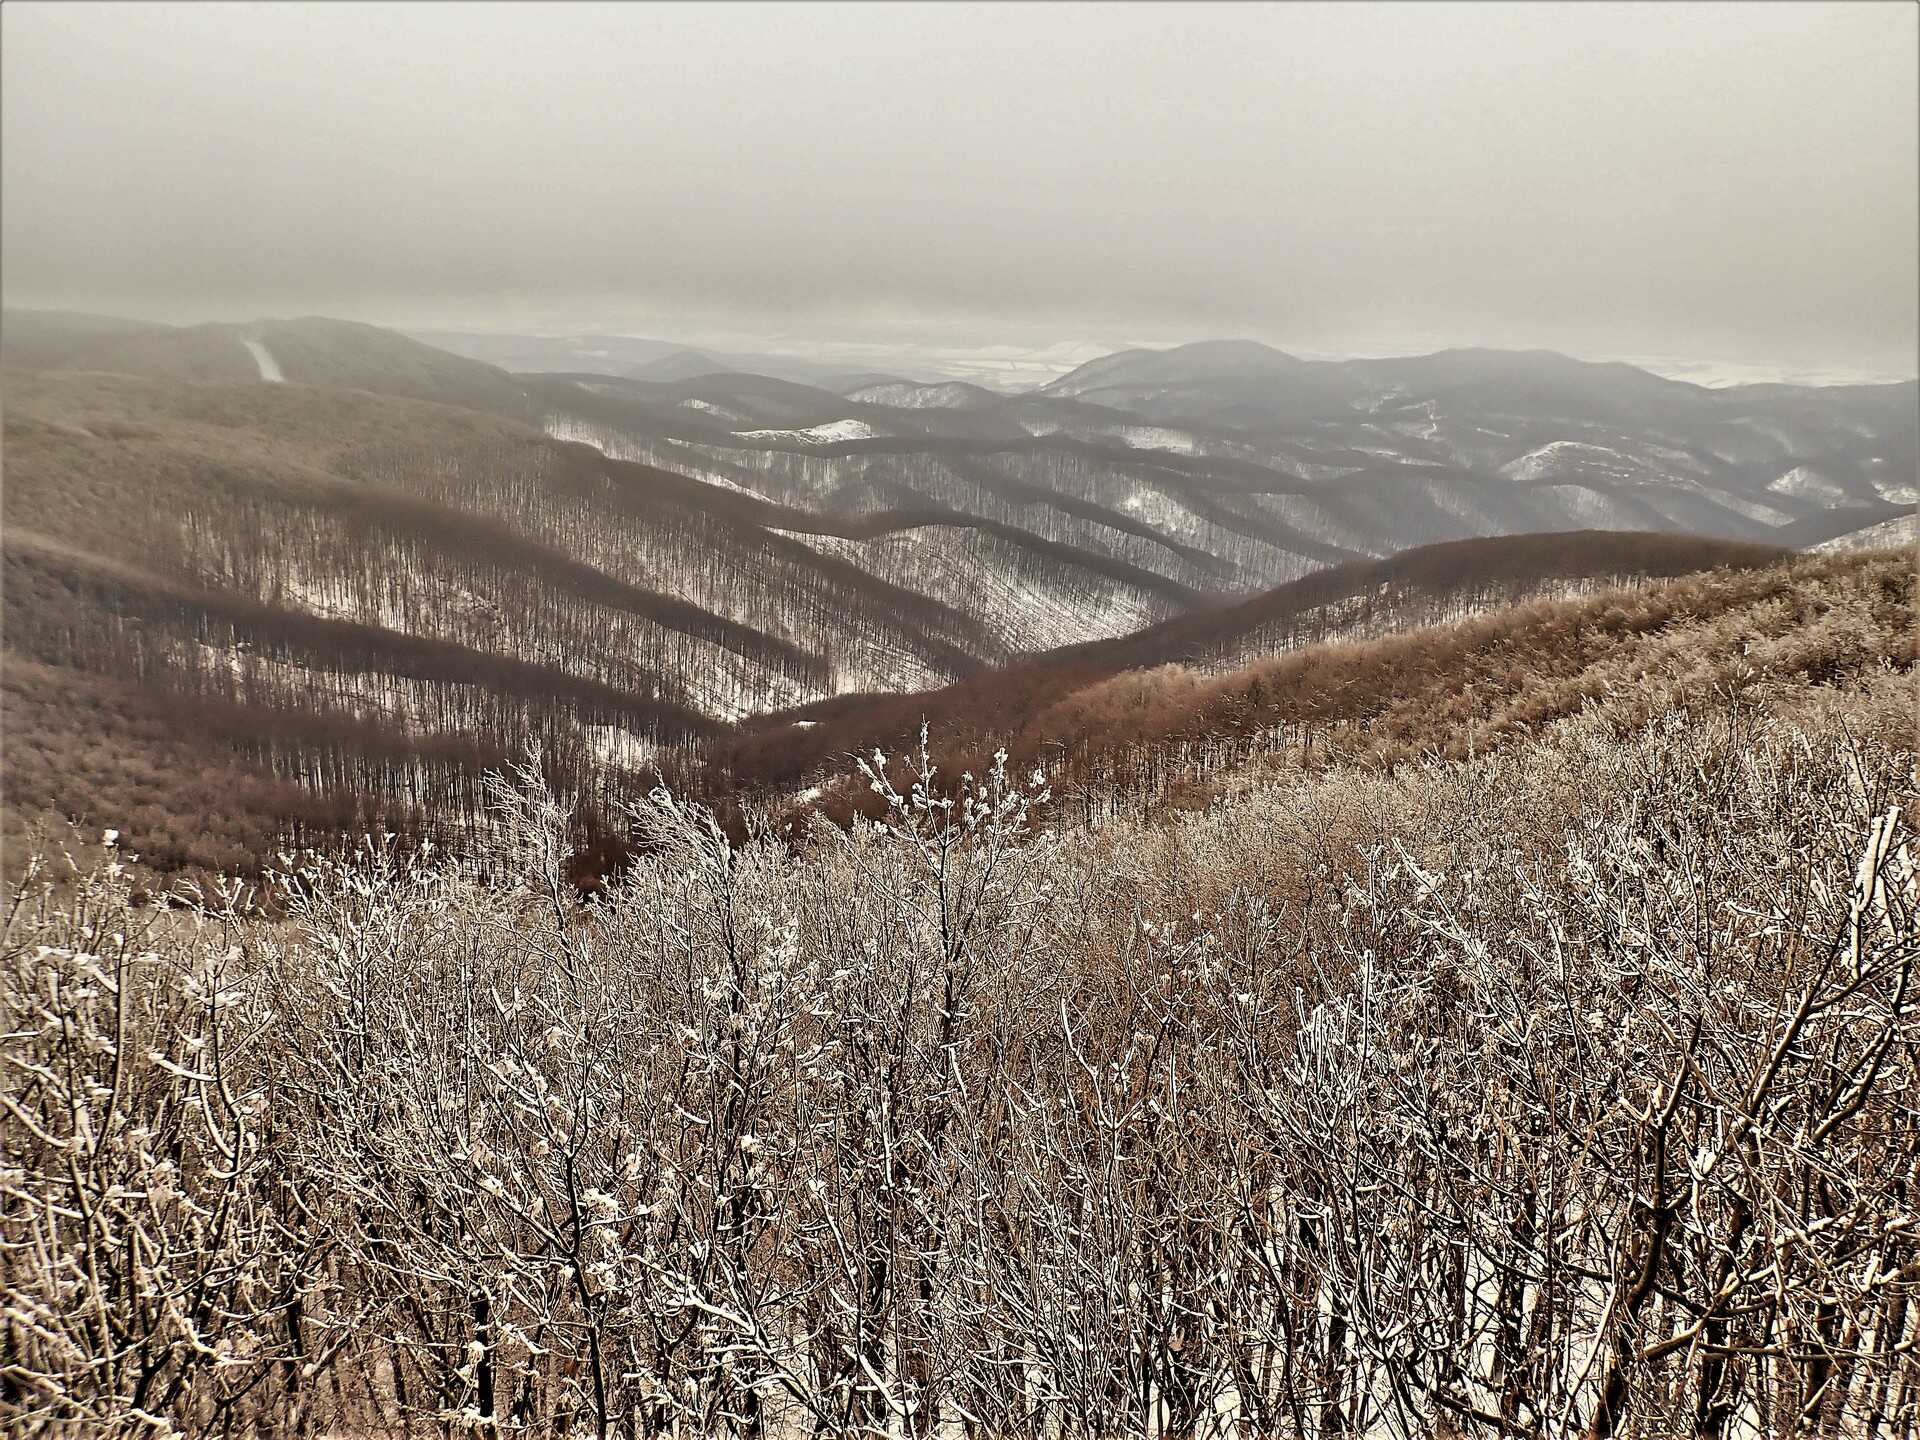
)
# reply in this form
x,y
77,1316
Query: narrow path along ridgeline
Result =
x,y
263,357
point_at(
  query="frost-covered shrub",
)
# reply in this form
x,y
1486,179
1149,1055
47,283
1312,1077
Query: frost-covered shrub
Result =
x,y
148,1255
1568,1089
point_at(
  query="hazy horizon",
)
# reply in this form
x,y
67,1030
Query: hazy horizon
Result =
x,y
995,361
1722,187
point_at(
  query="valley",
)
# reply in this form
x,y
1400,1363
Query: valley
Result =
x,y
389,568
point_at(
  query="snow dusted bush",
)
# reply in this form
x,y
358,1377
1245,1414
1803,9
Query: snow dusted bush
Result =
x,y
147,1257
1566,1090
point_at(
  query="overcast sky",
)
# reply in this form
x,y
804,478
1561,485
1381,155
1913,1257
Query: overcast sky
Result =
x,y
1732,182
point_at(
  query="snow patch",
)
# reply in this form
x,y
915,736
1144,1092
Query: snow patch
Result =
x,y
1155,437
1161,511
1900,491
615,746
1900,533
1807,483
906,395
1559,455
834,432
721,412
1588,507
678,455
263,357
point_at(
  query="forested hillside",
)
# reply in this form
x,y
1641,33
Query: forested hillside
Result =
x,y
272,584
1258,457
1171,714
310,351
368,583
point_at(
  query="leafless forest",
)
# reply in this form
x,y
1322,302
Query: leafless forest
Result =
x,y
1566,1089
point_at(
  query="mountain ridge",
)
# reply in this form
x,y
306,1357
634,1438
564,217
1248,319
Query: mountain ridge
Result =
x,y
387,563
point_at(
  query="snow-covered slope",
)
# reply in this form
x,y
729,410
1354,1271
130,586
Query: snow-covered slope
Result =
x,y
263,357
1223,468
833,432
1900,533
908,395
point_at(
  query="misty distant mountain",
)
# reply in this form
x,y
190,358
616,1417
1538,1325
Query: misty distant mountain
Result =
x,y
51,339
1137,487
914,395
680,365
1270,465
308,351
1245,385
631,357
1001,368
606,354
1204,362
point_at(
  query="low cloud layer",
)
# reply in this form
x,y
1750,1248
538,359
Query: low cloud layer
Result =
x,y
1733,182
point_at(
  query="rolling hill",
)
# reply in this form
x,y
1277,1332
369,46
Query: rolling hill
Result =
x,y
312,351
1275,465
347,594
1421,590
